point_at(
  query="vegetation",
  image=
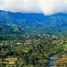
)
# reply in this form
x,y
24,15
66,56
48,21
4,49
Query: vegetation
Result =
x,y
30,50
30,39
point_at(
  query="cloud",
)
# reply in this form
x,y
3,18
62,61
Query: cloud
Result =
x,y
53,6
19,5
45,6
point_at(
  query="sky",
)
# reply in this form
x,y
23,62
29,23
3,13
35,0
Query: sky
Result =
x,y
47,7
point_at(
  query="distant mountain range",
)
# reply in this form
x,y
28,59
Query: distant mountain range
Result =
x,y
32,22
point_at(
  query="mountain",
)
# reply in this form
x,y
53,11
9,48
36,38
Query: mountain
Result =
x,y
10,29
34,22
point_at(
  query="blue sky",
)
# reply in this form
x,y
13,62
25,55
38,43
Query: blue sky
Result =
x,y
45,6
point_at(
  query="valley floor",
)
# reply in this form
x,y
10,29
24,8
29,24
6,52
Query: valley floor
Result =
x,y
30,50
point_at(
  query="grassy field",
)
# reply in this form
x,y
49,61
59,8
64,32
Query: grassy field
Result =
x,y
62,60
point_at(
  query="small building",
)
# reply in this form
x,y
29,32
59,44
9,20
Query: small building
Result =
x,y
28,42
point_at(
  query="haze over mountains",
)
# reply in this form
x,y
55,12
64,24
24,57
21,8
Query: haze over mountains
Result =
x,y
32,22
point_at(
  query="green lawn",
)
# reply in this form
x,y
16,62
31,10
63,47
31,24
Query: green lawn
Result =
x,y
65,45
11,59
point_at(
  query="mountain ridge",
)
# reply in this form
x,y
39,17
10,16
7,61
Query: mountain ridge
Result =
x,y
35,22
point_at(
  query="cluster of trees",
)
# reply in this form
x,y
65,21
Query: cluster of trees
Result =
x,y
33,54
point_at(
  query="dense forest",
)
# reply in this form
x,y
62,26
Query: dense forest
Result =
x,y
31,50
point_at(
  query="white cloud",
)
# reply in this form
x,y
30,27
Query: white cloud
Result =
x,y
46,6
19,5
53,6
